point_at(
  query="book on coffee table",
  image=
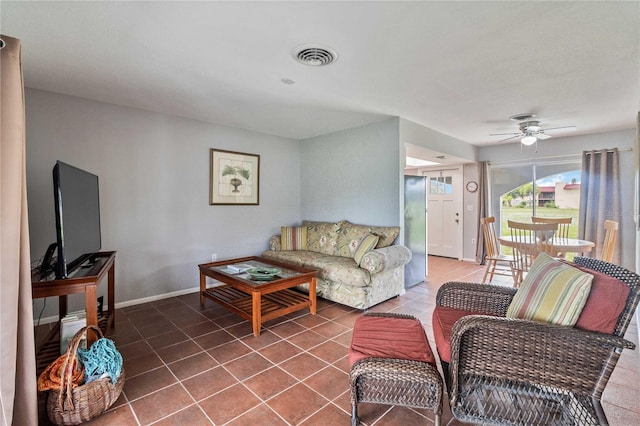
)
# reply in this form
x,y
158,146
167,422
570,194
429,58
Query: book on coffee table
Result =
x,y
238,268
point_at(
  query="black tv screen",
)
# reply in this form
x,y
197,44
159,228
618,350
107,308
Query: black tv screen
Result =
x,y
77,204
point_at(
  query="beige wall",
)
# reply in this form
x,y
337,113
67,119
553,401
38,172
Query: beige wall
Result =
x,y
567,198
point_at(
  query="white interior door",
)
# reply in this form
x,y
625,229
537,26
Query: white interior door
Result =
x,y
444,207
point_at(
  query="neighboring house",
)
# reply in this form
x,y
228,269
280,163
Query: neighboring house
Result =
x,y
564,195
567,195
547,195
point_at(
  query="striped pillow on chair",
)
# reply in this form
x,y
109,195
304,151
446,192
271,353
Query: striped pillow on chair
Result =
x,y
552,292
293,238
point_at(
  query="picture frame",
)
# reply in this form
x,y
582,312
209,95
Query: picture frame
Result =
x,y
234,178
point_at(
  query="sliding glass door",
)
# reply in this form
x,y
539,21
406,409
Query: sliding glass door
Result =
x,y
520,191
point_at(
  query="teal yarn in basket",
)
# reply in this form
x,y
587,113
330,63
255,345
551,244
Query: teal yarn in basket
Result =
x,y
101,358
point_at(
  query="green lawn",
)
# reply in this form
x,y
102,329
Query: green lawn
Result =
x,y
524,215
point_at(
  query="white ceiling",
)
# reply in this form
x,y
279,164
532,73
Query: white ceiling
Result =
x,y
460,68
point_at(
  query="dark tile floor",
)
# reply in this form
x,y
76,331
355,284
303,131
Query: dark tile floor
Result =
x,y
193,365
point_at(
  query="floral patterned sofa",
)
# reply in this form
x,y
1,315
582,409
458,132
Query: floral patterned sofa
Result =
x,y
358,264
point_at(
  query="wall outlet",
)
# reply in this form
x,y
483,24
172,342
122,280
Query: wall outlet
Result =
x,y
214,257
473,241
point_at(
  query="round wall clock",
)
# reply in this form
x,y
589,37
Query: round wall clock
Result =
x,y
472,186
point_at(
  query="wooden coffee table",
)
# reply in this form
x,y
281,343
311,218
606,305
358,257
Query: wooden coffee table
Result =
x,y
258,301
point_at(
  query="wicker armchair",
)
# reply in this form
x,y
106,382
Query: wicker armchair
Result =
x,y
516,372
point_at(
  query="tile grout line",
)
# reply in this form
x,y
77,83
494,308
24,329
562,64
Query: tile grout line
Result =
x,y
256,351
164,364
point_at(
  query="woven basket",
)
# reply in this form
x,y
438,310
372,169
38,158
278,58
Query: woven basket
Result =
x,y
74,405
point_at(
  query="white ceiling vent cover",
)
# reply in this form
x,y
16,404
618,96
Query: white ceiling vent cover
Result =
x,y
315,55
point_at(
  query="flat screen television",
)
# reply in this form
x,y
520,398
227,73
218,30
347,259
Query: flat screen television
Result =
x,y
77,205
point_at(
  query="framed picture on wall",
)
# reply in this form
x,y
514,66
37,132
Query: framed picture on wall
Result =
x,y
234,178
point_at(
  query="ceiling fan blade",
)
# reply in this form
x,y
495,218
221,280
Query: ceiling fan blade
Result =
x,y
558,128
504,134
512,137
542,136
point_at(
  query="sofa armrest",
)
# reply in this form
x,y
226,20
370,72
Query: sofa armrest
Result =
x,y
385,258
274,243
486,298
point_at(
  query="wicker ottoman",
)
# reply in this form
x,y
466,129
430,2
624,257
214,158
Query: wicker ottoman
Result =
x,y
392,363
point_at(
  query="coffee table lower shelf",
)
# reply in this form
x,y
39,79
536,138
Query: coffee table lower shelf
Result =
x,y
272,305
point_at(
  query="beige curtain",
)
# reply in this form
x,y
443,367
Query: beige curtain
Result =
x,y
483,208
18,398
599,197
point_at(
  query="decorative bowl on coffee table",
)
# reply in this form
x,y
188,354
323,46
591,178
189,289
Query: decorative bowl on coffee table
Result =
x,y
263,273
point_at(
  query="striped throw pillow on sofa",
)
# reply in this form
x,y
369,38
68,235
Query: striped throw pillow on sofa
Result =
x,y
366,244
293,238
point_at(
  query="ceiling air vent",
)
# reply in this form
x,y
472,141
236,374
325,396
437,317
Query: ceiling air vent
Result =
x,y
314,55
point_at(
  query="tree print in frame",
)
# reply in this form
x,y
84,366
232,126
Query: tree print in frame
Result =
x,y
234,178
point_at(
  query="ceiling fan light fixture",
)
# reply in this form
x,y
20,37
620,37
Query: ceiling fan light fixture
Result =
x,y
528,140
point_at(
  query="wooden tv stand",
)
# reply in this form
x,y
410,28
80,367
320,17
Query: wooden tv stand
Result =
x,y
85,280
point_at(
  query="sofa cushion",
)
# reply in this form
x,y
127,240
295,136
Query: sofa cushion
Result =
x,y
342,270
333,268
443,319
387,337
552,292
293,238
387,234
365,245
350,234
606,302
322,237
298,257
349,238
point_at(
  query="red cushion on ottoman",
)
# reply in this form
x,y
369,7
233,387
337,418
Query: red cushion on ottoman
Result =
x,y
443,320
388,337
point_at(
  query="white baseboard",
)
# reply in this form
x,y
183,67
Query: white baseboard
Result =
x,y
157,297
469,260
48,320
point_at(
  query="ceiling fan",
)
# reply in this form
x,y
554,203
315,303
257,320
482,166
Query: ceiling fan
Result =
x,y
530,130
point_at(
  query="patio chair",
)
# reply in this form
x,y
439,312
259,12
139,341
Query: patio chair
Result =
x,y
561,232
528,239
521,372
497,264
563,224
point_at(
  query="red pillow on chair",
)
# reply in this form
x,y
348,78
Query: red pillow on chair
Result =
x,y
606,302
